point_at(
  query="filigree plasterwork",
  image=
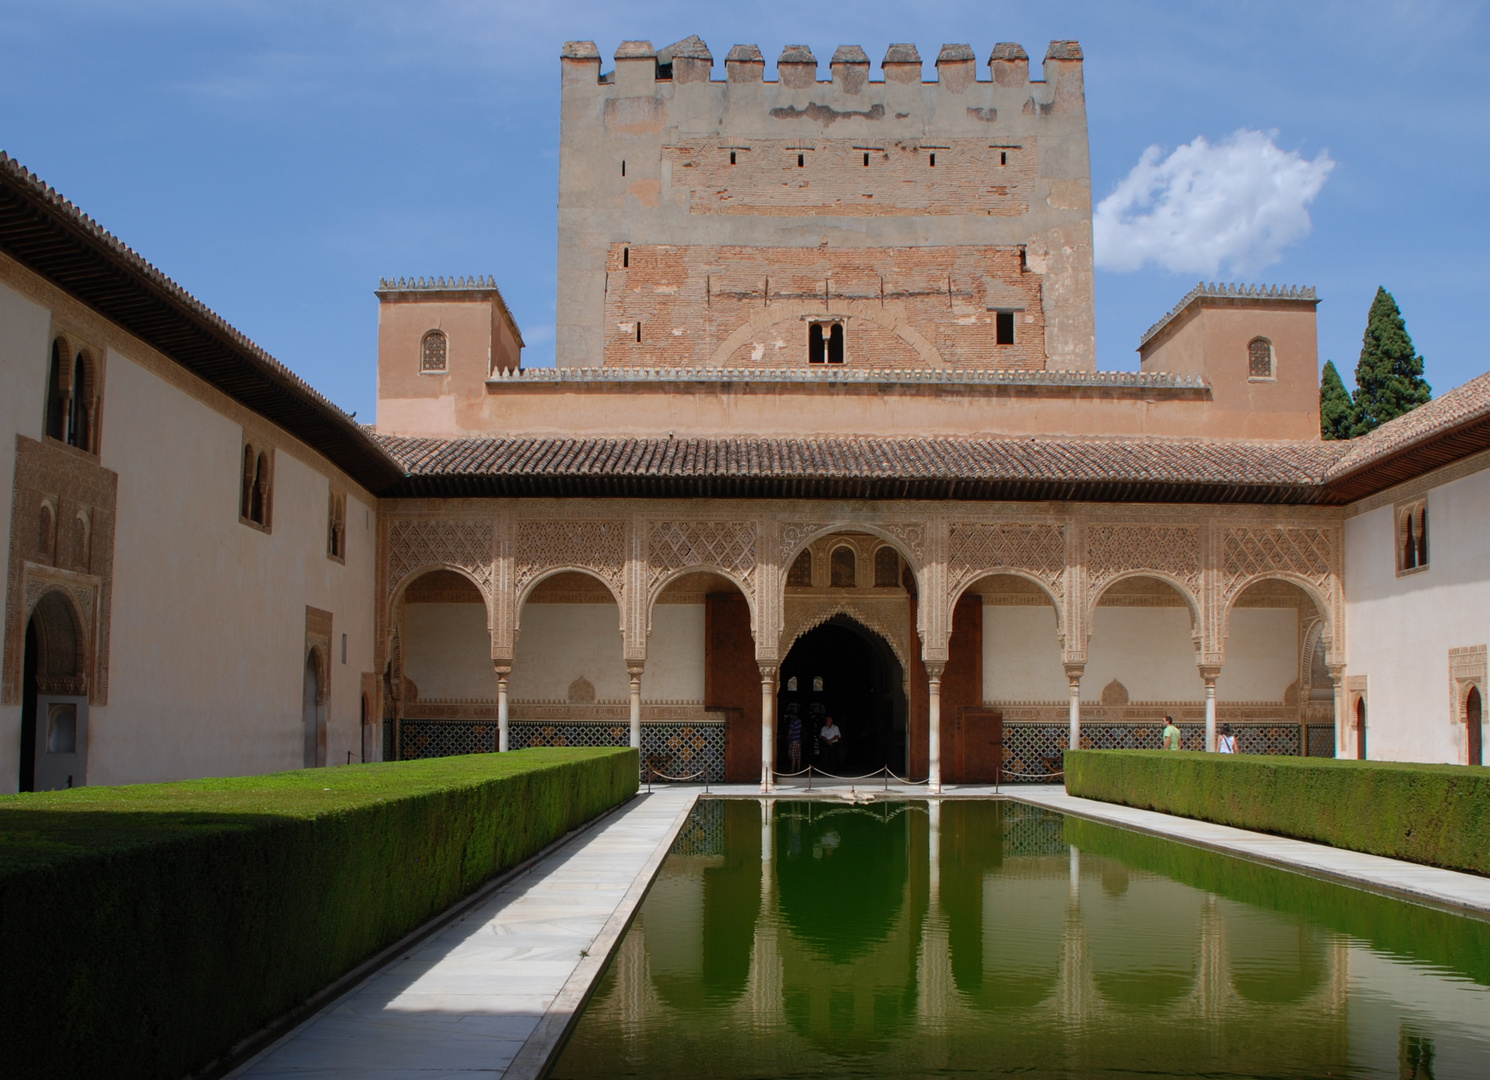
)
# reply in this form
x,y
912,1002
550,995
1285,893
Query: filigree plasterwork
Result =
x,y
1171,550
794,534
912,536
598,546
676,545
883,615
1303,551
419,542
976,550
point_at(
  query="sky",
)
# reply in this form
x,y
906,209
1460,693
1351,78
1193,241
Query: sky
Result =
x,y
277,158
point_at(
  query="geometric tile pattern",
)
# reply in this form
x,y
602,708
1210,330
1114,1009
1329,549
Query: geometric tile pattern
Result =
x,y
1321,740
703,832
1035,749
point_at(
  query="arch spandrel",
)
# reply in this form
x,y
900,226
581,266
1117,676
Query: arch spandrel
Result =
x,y
745,588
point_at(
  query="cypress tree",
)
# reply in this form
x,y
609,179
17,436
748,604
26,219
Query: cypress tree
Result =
x,y
1389,379
1336,409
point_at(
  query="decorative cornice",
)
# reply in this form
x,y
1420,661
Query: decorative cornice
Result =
x,y
603,376
1230,291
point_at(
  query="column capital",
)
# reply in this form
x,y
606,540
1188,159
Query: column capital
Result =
x,y
634,669
503,668
768,672
1074,672
1337,673
934,670
1210,673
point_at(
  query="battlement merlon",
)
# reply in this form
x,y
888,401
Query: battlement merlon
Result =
x,y
689,61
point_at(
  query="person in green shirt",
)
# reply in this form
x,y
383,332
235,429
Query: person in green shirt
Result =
x,y
1171,734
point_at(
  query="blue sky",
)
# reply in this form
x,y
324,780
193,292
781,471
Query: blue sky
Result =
x,y
277,158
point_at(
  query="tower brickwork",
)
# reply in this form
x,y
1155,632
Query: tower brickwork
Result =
x,y
881,224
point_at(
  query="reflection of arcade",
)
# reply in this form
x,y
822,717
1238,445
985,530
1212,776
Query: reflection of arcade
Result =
x,y
842,670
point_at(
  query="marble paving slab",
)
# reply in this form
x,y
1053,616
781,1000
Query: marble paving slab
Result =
x,y
502,981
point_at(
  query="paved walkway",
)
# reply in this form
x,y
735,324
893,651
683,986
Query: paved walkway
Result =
x,y
1428,884
491,994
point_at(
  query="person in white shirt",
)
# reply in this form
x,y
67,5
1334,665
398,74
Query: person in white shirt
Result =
x,y
833,741
1226,743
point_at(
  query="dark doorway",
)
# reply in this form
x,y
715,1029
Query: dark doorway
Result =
x,y
1472,721
842,670
28,710
1360,728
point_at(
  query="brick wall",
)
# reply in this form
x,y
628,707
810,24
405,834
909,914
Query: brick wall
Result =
x,y
902,307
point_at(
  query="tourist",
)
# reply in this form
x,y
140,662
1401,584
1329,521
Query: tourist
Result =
x,y
794,739
834,739
1171,734
1226,744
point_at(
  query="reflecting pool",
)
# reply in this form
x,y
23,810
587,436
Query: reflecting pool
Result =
x,y
990,938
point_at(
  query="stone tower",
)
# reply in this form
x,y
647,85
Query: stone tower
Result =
x,y
888,224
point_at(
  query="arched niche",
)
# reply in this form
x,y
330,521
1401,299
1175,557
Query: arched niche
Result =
x,y
1276,648
443,640
1144,632
1021,633
569,628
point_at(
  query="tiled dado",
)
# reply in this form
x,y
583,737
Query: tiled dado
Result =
x,y
671,748
1032,749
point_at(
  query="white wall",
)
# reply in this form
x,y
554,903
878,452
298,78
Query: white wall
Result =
x,y
447,651
1262,655
1399,630
558,643
1021,655
25,354
208,630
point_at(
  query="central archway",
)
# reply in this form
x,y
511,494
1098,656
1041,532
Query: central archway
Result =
x,y
844,670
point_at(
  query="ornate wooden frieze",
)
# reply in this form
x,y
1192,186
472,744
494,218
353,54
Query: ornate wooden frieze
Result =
x,y
415,543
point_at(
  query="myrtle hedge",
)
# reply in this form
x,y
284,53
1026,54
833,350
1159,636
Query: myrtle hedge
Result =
x,y
149,929
1433,814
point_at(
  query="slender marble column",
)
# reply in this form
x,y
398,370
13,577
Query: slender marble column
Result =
x,y
634,670
503,674
934,727
1209,674
1073,677
768,725
1343,719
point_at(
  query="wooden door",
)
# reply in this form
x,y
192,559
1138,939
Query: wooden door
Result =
x,y
979,746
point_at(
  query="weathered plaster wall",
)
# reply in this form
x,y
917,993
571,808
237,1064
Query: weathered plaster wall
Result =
x,y
559,643
25,352
1400,629
647,161
209,614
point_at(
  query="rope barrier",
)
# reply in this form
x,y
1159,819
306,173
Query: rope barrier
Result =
x,y
884,771
652,772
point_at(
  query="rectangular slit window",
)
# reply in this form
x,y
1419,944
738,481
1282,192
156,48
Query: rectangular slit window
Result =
x,y
800,160
638,331
1003,157
933,161
344,648
866,161
1003,327
623,166
731,157
625,256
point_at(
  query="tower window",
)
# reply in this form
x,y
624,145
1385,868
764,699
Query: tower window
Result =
x,y
638,331
623,166
866,161
1260,358
731,157
825,343
800,161
434,351
1003,157
1003,327
933,161
626,257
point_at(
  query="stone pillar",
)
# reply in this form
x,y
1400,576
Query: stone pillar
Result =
x,y
1209,674
634,670
1073,678
768,725
1343,721
1075,875
934,854
504,672
934,726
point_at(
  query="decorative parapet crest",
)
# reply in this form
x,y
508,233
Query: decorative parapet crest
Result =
x,y
437,284
1136,380
1229,291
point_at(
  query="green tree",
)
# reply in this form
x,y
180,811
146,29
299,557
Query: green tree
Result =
x,y
1389,379
1336,409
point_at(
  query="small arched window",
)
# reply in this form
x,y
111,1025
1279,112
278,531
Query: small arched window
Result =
x,y
886,568
336,527
1260,358
841,568
80,404
434,352
1412,536
256,500
56,418
801,571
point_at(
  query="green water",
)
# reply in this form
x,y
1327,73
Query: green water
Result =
x,y
990,939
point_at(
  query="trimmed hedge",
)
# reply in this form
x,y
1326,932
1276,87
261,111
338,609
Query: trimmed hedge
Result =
x,y
1433,814
147,929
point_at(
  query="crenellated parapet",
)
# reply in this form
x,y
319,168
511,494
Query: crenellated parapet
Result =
x,y
948,204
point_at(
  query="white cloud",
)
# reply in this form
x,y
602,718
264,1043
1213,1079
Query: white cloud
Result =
x,y
1239,202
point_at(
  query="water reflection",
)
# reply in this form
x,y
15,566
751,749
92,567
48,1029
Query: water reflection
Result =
x,y
977,938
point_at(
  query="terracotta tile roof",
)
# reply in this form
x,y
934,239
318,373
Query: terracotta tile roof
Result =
x,y
1445,429
861,467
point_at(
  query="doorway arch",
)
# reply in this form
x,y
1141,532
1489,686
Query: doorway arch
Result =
x,y
843,669
54,698
1473,707
313,712
1360,727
